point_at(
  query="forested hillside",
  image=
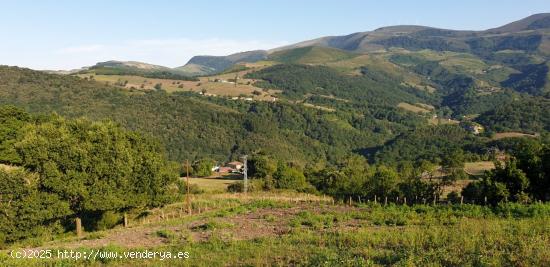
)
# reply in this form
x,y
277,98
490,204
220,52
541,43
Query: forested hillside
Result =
x,y
299,80
191,126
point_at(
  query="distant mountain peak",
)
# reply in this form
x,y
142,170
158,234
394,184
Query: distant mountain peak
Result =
x,y
533,22
206,65
402,29
129,64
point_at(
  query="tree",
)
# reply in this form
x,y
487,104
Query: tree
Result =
x,y
289,178
513,178
12,120
453,160
453,165
96,167
505,182
542,191
261,167
384,182
203,167
26,211
426,167
533,159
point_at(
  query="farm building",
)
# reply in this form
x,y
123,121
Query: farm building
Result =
x,y
472,127
225,170
235,165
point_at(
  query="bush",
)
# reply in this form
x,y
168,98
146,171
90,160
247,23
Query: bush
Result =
x,y
203,168
289,178
238,187
453,197
165,234
193,188
108,220
315,221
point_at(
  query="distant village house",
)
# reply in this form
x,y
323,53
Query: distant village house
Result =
x,y
235,165
231,167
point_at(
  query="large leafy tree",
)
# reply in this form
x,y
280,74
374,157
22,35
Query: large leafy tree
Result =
x,y
27,211
95,166
203,167
12,119
287,177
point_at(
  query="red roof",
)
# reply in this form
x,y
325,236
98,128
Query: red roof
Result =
x,y
225,169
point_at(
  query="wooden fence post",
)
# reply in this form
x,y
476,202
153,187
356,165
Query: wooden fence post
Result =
x,y
78,223
385,201
125,220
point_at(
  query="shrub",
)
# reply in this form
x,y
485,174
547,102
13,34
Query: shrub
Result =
x,y
165,234
453,197
108,220
193,188
238,187
289,178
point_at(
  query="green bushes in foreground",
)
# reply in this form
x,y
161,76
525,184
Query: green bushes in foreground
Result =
x,y
69,169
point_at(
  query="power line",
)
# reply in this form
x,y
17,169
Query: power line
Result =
x,y
188,195
245,173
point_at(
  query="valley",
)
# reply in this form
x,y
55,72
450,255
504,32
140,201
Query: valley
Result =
x,y
400,146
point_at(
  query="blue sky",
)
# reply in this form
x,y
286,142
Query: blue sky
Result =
x,y
64,34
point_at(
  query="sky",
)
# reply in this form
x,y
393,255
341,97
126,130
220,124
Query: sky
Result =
x,y
67,34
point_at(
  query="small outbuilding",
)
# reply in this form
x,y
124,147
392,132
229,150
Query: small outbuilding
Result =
x,y
235,165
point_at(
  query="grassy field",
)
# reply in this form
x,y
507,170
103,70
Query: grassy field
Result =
x,y
442,121
290,229
420,108
478,168
213,184
512,134
319,107
213,85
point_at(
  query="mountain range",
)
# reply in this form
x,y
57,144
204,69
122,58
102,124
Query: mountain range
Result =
x,y
529,35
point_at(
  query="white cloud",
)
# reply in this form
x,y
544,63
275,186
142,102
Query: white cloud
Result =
x,y
166,52
80,49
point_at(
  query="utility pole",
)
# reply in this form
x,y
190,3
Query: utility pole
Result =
x,y
245,174
188,195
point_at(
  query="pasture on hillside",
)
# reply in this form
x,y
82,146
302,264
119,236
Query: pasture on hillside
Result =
x,y
217,85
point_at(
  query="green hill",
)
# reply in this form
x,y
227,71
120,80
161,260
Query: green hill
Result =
x,y
207,65
310,55
192,126
138,69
